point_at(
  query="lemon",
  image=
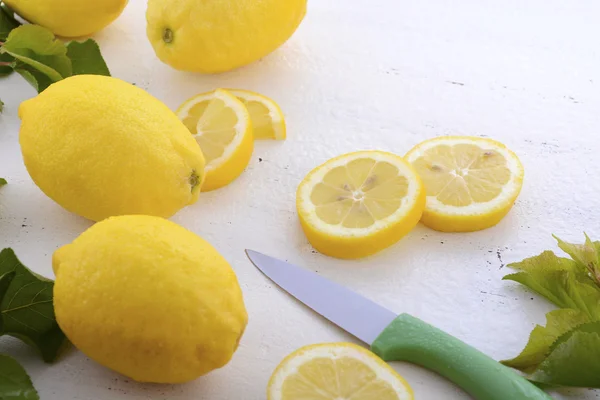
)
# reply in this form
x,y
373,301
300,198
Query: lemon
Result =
x,y
359,203
215,36
267,118
222,127
471,182
100,147
149,299
336,371
69,18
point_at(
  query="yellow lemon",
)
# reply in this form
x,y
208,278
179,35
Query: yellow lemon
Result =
x,y
149,299
215,36
222,127
336,371
100,147
359,203
471,182
267,118
69,18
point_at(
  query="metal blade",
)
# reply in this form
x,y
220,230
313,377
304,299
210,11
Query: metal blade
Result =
x,y
352,312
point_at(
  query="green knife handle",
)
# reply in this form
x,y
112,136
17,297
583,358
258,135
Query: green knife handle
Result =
x,y
409,339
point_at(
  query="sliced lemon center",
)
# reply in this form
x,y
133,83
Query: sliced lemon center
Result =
x,y
343,378
463,174
213,123
261,119
359,193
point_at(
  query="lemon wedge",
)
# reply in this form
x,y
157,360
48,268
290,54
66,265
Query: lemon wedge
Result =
x,y
359,203
222,127
337,371
471,182
267,118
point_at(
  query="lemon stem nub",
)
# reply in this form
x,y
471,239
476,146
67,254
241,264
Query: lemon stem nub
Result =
x,y
168,35
194,180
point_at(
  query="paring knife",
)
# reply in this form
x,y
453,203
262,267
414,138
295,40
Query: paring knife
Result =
x,y
400,337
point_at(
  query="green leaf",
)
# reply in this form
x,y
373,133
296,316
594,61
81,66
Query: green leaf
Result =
x,y
2,180
6,69
15,384
560,280
35,78
7,22
573,360
86,58
37,47
26,308
585,255
541,340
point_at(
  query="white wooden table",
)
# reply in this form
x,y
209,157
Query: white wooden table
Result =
x,y
382,74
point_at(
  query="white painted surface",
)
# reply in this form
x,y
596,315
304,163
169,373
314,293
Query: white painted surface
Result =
x,y
362,75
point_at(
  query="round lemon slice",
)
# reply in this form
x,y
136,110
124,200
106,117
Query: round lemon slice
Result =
x,y
337,371
267,119
471,182
359,203
222,127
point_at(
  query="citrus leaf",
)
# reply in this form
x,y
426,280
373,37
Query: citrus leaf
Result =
x,y
6,67
37,47
15,384
560,280
86,58
542,338
26,308
38,80
573,360
7,22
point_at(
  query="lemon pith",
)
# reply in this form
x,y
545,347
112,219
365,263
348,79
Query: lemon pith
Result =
x,y
267,118
149,299
336,371
221,125
471,182
359,203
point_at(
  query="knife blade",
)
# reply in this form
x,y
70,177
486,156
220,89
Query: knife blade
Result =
x,y
399,337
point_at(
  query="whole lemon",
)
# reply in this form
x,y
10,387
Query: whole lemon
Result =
x,y
149,299
99,147
212,36
69,18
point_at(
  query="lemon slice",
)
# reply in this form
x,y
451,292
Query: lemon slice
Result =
x,y
267,119
359,203
471,182
223,129
337,371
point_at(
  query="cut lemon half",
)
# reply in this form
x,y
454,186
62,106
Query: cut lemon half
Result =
x,y
471,182
267,119
223,129
359,203
337,371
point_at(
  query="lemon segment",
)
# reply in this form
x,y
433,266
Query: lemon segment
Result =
x,y
267,118
359,203
222,127
471,182
337,371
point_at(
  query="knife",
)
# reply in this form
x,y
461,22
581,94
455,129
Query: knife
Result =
x,y
400,337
